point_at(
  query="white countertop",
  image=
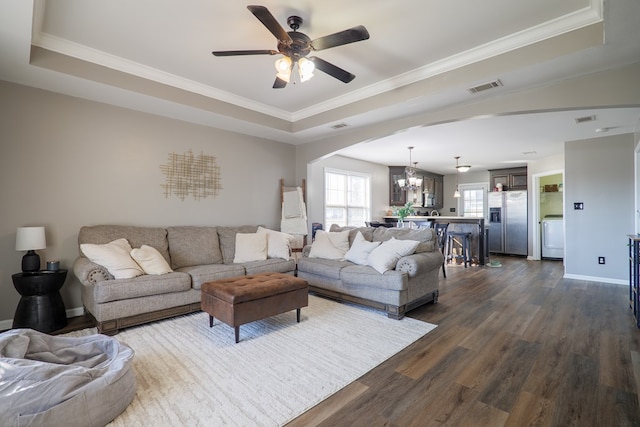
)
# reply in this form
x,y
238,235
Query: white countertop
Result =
x,y
427,218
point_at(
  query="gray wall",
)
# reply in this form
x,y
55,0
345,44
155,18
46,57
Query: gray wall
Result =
x,y
599,173
636,138
67,162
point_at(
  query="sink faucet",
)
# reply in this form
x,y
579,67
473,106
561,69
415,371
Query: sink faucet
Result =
x,y
434,213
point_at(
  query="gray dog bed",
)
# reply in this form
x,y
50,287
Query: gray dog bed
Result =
x,y
56,381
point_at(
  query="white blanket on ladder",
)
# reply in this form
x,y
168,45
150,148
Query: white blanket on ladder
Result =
x,y
294,213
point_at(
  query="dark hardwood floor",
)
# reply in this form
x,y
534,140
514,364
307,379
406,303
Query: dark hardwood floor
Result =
x,y
515,346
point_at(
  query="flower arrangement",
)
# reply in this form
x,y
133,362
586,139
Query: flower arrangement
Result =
x,y
404,211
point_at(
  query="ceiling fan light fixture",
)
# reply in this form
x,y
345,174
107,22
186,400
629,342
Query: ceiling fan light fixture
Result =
x,y
463,168
295,46
283,64
283,67
305,69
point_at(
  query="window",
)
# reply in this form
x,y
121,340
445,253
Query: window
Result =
x,y
473,200
347,199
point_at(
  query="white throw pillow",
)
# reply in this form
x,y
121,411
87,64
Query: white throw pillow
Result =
x,y
115,257
329,245
278,243
385,256
250,247
151,261
360,250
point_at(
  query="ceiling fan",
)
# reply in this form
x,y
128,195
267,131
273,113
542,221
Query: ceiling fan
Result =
x,y
295,47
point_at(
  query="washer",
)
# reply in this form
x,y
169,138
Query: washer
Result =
x,y
553,237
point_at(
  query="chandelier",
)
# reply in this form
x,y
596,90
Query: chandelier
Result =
x,y
411,182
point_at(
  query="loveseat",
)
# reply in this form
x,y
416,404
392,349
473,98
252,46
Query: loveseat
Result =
x,y
192,256
402,285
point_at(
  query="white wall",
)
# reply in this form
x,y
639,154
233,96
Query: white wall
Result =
x,y
67,162
599,172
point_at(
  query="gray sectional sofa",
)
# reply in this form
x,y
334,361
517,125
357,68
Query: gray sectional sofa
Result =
x,y
196,255
413,281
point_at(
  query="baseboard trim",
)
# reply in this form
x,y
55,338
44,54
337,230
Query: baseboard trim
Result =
x,y
75,312
5,325
597,279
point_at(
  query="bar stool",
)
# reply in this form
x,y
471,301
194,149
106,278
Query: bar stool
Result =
x,y
441,235
464,240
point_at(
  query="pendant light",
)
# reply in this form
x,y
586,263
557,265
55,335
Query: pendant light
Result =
x,y
456,194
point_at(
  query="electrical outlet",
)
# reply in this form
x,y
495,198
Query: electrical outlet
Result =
x,y
452,209
578,206
600,260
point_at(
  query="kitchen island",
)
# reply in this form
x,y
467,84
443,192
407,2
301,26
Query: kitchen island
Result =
x,y
475,226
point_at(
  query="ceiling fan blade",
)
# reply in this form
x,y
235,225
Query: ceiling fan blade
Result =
x,y
267,19
332,70
351,35
243,52
279,83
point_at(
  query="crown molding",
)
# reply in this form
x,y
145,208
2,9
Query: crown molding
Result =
x,y
98,57
574,21
581,18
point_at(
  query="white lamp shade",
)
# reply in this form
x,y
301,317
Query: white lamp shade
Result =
x,y
284,65
305,68
30,238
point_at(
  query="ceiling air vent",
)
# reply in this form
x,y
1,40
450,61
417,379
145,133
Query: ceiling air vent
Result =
x,y
339,126
485,86
585,119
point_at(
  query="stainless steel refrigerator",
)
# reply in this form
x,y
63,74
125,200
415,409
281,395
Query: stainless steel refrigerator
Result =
x,y
508,222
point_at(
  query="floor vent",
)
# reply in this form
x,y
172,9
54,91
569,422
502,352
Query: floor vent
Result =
x,y
485,86
585,119
339,126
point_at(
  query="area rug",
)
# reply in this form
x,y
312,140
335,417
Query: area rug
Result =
x,y
191,374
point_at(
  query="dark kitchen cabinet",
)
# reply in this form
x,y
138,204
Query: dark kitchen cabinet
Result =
x,y
397,197
511,178
433,191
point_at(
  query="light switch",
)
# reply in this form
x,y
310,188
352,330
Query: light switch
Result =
x,y
578,206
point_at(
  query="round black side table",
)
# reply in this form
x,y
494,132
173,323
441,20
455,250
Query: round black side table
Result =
x,y
41,306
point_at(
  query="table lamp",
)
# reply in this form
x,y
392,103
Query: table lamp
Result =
x,y
30,239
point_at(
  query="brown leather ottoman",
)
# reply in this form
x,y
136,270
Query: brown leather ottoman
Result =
x,y
239,300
